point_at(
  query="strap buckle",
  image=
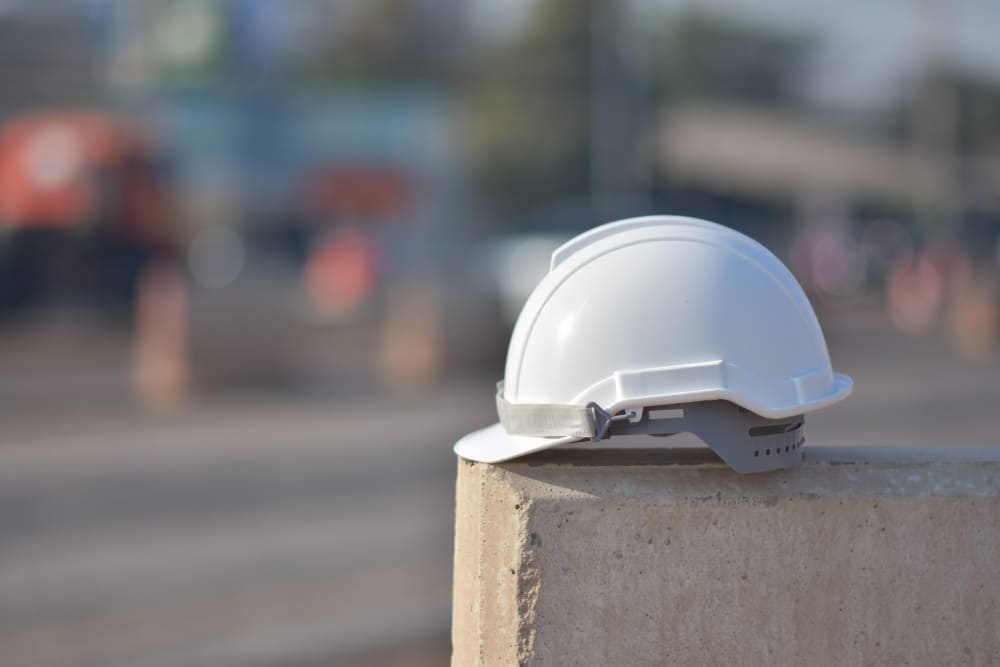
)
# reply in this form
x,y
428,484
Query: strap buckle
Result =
x,y
601,419
604,420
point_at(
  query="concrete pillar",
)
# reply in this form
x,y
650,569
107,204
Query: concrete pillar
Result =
x,y
859,557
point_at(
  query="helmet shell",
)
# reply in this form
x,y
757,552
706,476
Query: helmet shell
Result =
x,y
665,309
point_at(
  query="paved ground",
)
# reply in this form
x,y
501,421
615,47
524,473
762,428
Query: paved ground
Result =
x,y
305,527
915,391
241,532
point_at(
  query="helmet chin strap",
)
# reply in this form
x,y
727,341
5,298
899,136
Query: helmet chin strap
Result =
x,y
743,439
551,420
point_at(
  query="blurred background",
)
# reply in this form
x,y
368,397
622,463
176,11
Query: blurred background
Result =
x,y
259,262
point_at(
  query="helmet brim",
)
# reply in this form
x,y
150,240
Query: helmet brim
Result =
x,y
494,445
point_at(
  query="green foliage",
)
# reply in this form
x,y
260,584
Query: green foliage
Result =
x,y
529,118
531,104
977,113
388,41
700,55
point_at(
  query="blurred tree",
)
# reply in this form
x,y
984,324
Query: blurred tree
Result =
x,y
977,136
949,116
700,55
395,41
547,109
530,111
975,112
187,42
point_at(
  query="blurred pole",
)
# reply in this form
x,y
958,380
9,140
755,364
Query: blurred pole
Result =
x,y
935,194
615,114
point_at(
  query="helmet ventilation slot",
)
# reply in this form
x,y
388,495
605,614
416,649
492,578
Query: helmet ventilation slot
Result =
x,y
774,429
778,450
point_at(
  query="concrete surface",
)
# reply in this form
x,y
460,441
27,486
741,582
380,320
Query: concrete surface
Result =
x,y
860,557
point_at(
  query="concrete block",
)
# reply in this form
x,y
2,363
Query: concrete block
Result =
x,y
859,557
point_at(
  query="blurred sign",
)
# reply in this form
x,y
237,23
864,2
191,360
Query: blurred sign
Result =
x,y
359,191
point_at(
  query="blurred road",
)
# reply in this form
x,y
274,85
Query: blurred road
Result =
x,y
256,531
295,527
908,390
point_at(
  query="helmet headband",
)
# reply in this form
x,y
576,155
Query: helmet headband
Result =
x,y
743,439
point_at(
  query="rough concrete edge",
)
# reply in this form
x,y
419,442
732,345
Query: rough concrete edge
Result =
x,y
511,550
694,456
672,482
489,544
841,454
528,579
465,621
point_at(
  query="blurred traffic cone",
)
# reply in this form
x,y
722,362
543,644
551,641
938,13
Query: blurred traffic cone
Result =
x,y
973,320
409,354
161,372
915,291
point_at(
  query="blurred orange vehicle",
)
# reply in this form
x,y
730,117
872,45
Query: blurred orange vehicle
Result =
x,y
82,208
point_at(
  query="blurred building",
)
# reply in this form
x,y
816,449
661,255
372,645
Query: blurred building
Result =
x,y
775,154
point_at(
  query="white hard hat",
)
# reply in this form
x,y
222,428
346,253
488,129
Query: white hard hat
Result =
x,y
663,325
